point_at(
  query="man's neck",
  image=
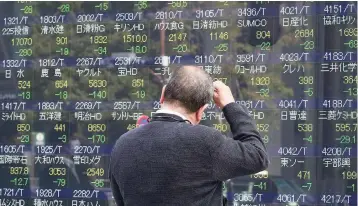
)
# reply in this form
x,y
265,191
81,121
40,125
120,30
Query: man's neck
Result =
x,y
177,110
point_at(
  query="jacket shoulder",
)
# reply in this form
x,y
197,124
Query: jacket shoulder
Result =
x,y
203,129
203,132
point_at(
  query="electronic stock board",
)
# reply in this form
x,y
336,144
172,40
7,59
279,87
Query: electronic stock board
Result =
x,y
77,75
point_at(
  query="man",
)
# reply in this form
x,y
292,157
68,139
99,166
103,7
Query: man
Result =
x,y
175,161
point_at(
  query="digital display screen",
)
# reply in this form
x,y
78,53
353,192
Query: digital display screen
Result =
x,y
75,76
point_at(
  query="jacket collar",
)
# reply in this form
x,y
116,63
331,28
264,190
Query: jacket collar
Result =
x,y
165,111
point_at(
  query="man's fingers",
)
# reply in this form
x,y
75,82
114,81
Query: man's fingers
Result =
x,y
217,84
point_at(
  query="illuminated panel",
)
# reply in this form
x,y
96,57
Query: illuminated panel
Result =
x,y
77,75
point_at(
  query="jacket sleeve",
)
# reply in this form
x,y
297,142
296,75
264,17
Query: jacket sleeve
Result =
x,y
115,190
243,154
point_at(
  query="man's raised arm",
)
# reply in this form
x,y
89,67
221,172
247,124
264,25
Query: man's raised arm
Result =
x,y
243,154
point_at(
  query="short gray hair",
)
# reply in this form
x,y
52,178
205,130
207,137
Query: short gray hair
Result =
x,y
189,86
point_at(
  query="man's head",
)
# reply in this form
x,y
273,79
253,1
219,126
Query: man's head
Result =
x,y
188,91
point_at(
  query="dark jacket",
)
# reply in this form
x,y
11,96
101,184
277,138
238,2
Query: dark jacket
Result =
x,y
167,162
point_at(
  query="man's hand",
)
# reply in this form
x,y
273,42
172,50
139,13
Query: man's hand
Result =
x,y
222,94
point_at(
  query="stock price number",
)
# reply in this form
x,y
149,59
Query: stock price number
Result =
x,y
96,127
138,83
137,38
177,37
304,175
99,39
56,171
305,80
60,84
61,40
349,175
19,170
23,127
23,84
21,41
346,127
92,172
260,175
305,127
304,33
263,34
353,32
132,126
261,81
350,79
97,83
219,36
221,127
262,127
60,128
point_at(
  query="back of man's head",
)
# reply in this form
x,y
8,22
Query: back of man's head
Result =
x,y
189,86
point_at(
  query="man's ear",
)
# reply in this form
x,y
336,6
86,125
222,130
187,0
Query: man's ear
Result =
x,y
200,112
162,95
